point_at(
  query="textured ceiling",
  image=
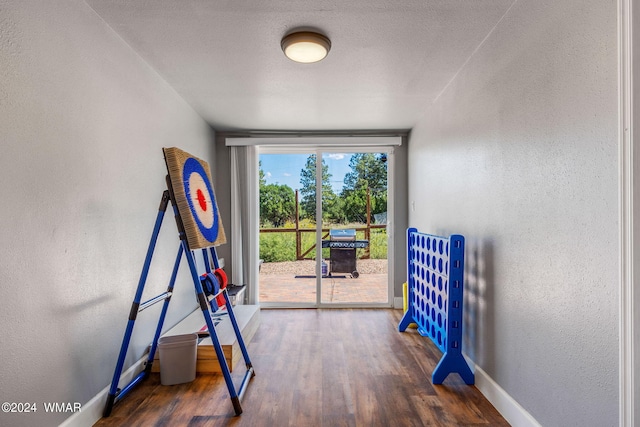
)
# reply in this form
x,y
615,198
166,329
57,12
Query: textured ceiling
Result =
x,y
389,59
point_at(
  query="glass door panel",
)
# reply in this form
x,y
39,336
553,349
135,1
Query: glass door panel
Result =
x,y
354,242
287,229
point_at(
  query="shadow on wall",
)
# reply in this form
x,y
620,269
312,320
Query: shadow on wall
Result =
x,y
478,311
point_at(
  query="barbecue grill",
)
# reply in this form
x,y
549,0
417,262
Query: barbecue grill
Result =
x,y
342,246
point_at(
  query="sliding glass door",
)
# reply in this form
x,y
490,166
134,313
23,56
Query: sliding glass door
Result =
x,y
323,227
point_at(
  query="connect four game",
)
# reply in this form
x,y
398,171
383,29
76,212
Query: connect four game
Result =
x,y
435,294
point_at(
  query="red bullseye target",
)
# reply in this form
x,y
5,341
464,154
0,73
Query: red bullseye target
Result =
x,y
193,192
201,200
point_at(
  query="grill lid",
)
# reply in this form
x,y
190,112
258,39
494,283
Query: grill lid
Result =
x,y
342,234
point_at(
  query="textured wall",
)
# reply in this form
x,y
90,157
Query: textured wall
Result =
x,y
82,123
519,154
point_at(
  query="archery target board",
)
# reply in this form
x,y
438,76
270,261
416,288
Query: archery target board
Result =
x,y
191,181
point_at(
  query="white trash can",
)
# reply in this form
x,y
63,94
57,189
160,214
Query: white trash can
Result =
x,y
178,355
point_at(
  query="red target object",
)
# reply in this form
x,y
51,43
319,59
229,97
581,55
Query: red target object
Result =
x,y
194,196
222,279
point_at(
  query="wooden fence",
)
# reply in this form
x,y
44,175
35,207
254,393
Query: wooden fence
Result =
x,y
302,255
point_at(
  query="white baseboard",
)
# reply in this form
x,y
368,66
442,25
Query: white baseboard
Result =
x,y
511,410
92,411
398,302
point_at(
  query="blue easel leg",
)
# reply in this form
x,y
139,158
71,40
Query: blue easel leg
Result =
x,y
205,259
250,372
204,306
236,329
214,256
113,391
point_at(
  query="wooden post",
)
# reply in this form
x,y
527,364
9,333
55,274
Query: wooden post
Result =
x,y
298,234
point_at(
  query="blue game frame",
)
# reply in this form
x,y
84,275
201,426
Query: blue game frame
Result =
x,y
435,273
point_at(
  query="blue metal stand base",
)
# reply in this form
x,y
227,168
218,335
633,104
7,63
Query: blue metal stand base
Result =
x,y
115,393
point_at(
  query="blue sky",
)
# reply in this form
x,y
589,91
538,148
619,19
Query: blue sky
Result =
x,y
285,168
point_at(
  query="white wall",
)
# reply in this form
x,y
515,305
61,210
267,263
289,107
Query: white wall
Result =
x,y
519,154
82,123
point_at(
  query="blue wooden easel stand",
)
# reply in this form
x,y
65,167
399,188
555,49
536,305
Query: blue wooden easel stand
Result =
x,y
207,304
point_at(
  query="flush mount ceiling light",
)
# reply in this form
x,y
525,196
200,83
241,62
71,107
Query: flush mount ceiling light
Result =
x,y
305,46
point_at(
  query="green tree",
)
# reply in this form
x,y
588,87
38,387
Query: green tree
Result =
x,y
368,171
308,190
261,177
277,204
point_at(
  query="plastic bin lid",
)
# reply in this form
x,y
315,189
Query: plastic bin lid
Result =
x,y
174,340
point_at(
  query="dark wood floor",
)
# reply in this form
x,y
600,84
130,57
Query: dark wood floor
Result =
x,y
342,367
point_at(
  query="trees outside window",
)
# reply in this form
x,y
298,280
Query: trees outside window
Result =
x,y
277,202
368,174
308,192
368,171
